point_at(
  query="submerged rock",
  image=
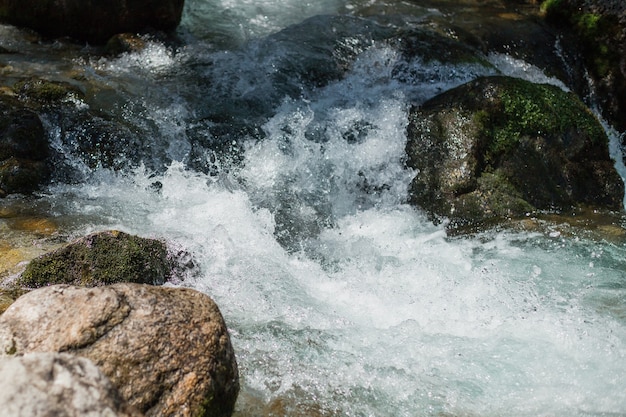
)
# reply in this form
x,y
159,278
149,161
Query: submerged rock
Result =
x,y
27,161
166,350
93,21
57,384
101,258
501,147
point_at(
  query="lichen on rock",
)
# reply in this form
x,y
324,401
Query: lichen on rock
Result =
x,y
166,350
57,384
501,147
99,259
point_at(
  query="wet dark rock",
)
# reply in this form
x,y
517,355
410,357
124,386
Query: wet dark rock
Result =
x,y
23,149
124,42
597,29
86,134
429,45
92,20
166,350
501,147
102,258
95,139
36,92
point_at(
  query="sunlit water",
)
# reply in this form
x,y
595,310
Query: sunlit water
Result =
x,y
341,298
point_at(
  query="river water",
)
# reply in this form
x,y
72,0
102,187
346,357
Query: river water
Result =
x,y
290,195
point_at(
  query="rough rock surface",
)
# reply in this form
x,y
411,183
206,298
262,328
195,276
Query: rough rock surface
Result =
x,y
92,20
8,297
498,147
57,385
597,28
23,148
166,350
99,259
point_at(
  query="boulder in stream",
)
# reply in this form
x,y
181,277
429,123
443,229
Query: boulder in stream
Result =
x,y
102,258
501,147
166,350
57,384
92,20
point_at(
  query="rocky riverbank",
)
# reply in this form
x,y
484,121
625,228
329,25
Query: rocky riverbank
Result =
x,y
488,151
162,351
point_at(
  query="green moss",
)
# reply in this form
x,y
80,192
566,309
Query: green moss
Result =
x,y
551,7
12,350
44,91
588,23
534,110
103,258
504,198
203,409
598,35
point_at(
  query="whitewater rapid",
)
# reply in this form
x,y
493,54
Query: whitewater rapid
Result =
x,y
342,299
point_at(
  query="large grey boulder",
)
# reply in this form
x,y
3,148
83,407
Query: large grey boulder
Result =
x,y
57,385
166,350
501,147
92,20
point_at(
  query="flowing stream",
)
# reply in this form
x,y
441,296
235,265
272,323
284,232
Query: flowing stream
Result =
x,y
290,195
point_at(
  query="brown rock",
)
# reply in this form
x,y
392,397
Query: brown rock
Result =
x,y
167,350
92,20
124,42
57,385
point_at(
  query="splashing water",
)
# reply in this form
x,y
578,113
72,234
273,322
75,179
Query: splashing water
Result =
x,y
341,298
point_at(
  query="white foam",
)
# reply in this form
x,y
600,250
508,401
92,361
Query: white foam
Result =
x,y
383,314
518,68
155,58
374,310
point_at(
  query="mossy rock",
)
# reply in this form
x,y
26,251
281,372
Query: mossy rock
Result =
x,y
598,33
8,296
597,30
21,176
37,91
101,259
501,147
